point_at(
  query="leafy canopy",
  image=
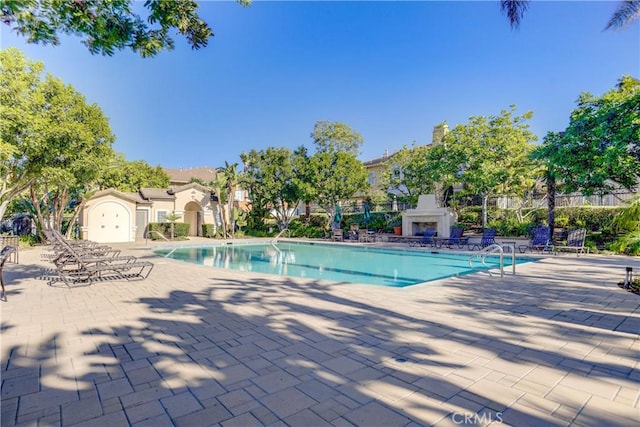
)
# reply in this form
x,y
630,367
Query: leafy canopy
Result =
x,y
626,12
130,176
334,170
273,182
109,25
600,149
51,139
490,154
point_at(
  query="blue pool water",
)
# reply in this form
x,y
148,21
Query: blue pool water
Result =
x,y
341,263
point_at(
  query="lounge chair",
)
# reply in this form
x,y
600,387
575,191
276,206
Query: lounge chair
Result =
x,y
337,235
455,239
6,252
575,242
539,242
77,267
426,240
488,239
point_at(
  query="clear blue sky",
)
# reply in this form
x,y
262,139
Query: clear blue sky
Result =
x,y
390,70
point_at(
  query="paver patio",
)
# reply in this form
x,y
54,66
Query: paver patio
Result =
x,y
557,344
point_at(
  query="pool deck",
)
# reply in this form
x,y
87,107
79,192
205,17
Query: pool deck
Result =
x,y
557,344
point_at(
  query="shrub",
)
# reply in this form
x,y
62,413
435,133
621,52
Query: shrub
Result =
x,y
28,239
207,230
180,229
299,229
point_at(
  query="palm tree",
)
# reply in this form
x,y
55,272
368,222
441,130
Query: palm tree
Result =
x,y
231,178
625,14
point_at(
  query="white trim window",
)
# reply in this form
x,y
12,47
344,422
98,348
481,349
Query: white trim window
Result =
x,y
161,216
372,178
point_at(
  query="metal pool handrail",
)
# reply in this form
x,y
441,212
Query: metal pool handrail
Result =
x,y
489,250
275,239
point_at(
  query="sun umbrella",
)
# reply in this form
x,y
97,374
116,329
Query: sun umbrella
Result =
x,y
367,212
338,216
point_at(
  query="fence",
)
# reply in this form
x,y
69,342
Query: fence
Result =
x,y
615,198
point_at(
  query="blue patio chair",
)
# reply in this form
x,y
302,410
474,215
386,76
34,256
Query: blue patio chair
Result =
x,y
540,241
426,240
488,239
455,239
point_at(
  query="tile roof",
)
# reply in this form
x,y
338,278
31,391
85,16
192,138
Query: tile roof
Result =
x,y
156,193
183,176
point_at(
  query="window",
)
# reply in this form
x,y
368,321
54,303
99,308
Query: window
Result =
x,y
372,178
161,216
239,196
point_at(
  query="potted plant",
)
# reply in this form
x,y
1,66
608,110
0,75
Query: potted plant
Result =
x,y
395,223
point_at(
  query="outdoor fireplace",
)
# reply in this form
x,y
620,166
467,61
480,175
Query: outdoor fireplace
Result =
x,y
427,215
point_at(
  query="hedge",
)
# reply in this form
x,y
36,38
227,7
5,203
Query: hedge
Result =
x,y
180,229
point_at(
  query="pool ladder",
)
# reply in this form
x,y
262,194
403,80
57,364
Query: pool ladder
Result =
x,y
492,250
275,239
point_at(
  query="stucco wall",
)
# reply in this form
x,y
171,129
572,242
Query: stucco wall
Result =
x,y
109,219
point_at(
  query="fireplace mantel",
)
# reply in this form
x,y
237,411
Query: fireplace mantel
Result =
x,y
427,214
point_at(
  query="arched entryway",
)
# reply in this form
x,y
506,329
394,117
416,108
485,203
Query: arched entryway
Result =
x,y
193,215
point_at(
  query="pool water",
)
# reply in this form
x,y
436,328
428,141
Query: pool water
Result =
x,y
340,263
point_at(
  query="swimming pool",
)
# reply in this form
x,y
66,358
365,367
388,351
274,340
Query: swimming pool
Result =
x,y
340,263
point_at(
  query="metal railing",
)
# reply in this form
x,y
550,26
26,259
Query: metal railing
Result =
x,y
146,238
275,239
492,250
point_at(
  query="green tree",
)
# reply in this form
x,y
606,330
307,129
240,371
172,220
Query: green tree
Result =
x,y
304,179
628,224
418,170
78,149
491,155
626,12
272,181
219,185
52,141
600,149
130,176
544,154
336,137
404,174
334,170
108,25
230,174
21,147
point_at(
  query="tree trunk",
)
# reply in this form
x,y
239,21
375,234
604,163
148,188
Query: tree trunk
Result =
x,y
551,204
485,198
3,208
74,218
307,212
40,224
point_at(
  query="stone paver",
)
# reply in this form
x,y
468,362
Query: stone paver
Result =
x,y
557,344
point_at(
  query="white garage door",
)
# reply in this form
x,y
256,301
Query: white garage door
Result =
x,y
109,222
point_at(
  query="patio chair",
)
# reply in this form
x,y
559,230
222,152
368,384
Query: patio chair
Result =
x,y
84,247
455,239
575,242
6,252
337,235
354,232
488,239
75,267
426,240
539,242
